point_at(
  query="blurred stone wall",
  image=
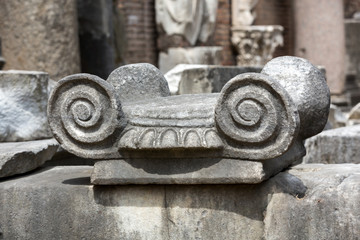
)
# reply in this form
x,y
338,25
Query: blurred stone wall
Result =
x,y
40,35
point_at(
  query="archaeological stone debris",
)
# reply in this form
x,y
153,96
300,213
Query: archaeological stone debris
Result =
x,y
251,130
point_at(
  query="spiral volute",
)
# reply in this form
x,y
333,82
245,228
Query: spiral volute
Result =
x,y
84,115
256,116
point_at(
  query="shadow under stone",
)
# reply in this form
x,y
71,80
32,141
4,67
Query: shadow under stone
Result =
x,y
78,181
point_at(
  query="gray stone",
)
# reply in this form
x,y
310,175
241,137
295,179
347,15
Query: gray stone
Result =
x,y
194,55
192,79
40,35
138,81
253,118
83,110
340,145
23,102
308,202
329,210
191,171
307,86
22,157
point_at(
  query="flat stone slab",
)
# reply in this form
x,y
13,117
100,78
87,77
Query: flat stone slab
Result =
x,y
190,171
312,201
340,145
22,157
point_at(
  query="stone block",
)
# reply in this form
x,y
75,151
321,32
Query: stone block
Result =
x,y
340,145
192,78
22,157
328,210
297,204
23,102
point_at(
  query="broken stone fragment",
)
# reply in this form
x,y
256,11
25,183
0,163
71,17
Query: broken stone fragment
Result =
x,y
22,157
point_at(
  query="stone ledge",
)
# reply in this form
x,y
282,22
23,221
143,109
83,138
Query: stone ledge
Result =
x,y
312,201
22,157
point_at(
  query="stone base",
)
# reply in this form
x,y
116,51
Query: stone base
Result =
x,y
191,171
60,203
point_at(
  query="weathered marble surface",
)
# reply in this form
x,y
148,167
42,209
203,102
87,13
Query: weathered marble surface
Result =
x,y
255,117
22,157
307,86
340,145
310,201
23,101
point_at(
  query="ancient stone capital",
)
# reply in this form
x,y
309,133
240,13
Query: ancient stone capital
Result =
x,y
256,44
258,118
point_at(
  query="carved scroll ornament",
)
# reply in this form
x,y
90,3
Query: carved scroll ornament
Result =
x,y
256,116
